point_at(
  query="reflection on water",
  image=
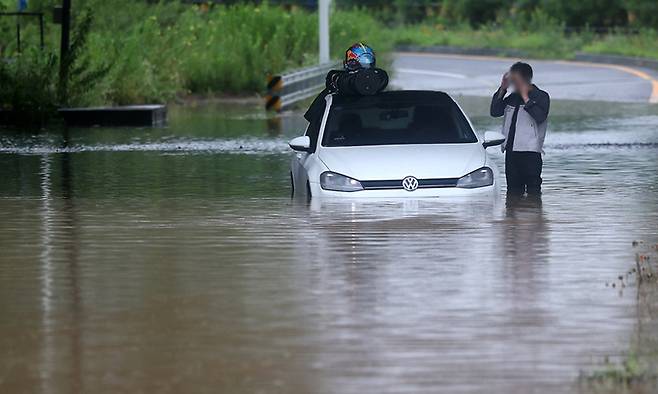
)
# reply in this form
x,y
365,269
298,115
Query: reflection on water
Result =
x,y
174,270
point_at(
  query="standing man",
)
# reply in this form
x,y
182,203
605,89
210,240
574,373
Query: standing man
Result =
x,y
524,126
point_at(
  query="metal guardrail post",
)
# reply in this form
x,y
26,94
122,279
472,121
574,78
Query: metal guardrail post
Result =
x,y
41,40
287,89
18,35
19,15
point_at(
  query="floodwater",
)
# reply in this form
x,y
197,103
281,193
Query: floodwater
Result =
x,y
174,260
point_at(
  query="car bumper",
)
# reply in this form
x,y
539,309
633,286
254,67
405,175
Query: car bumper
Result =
x,y
493,190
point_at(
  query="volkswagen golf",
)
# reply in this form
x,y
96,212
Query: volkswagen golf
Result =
x,y
393,144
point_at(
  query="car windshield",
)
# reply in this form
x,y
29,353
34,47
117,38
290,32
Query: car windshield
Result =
x,y
395,121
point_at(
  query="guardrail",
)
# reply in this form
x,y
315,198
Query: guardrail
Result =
x,y
287,89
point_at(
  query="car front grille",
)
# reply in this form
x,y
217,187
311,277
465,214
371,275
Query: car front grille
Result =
x,y
397,184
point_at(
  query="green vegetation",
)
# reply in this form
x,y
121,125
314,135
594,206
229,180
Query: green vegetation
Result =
x,y
545,39
574,14
633,375
158,51
543,43
643,44
139,51
28,86
32,84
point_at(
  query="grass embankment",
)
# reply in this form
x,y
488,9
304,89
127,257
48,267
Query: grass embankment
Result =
x,y
541,38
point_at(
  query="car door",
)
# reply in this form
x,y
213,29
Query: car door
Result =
x,y
297,168
301,159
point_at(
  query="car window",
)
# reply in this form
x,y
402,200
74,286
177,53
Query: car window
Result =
x,y
394,123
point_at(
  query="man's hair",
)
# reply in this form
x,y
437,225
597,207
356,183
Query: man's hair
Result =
x,y
523,69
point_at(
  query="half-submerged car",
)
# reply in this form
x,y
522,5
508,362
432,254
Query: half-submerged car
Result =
x,y
394,144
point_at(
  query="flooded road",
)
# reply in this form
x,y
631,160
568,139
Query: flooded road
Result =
x,y
174,260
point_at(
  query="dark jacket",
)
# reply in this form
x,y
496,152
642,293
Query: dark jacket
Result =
x,y
531,120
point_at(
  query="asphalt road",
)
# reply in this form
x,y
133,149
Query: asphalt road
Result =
x,y
480,76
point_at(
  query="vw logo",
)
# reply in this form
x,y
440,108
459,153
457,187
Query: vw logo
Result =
x,y
410,183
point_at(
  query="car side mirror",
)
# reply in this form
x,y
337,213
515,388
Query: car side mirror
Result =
x,y
300,144
493,138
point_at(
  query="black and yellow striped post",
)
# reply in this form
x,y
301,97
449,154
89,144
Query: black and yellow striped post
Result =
x,y
273,98
274,126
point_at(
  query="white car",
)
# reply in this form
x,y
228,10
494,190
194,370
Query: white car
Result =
x,y
394,144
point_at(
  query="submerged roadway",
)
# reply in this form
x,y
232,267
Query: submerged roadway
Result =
x,y
480,76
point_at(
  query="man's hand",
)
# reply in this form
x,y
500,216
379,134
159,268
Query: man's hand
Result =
x,y
331,82
524,90
504,84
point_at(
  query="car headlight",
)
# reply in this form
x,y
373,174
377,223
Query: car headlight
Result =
x,y
479,178
339,183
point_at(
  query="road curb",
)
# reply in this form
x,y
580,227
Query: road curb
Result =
x,y
448,50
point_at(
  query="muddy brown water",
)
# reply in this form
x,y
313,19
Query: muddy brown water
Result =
x,y
174,260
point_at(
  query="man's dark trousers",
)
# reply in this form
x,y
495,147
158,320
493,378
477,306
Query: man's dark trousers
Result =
x,y
523,172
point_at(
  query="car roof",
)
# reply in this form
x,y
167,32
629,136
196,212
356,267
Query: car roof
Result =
x,y
412,96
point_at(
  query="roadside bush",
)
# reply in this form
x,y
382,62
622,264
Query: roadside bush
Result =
x,y
475,12
643,44
32,87
28,86
145,64
348,27
231,49
537,34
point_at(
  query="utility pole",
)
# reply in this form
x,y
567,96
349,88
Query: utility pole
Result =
x,y
66,33
64,49
323,14
22,6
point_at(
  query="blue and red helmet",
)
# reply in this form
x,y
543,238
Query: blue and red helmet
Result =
x,y
359,56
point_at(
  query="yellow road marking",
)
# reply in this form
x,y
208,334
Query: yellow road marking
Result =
x,y
653,98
